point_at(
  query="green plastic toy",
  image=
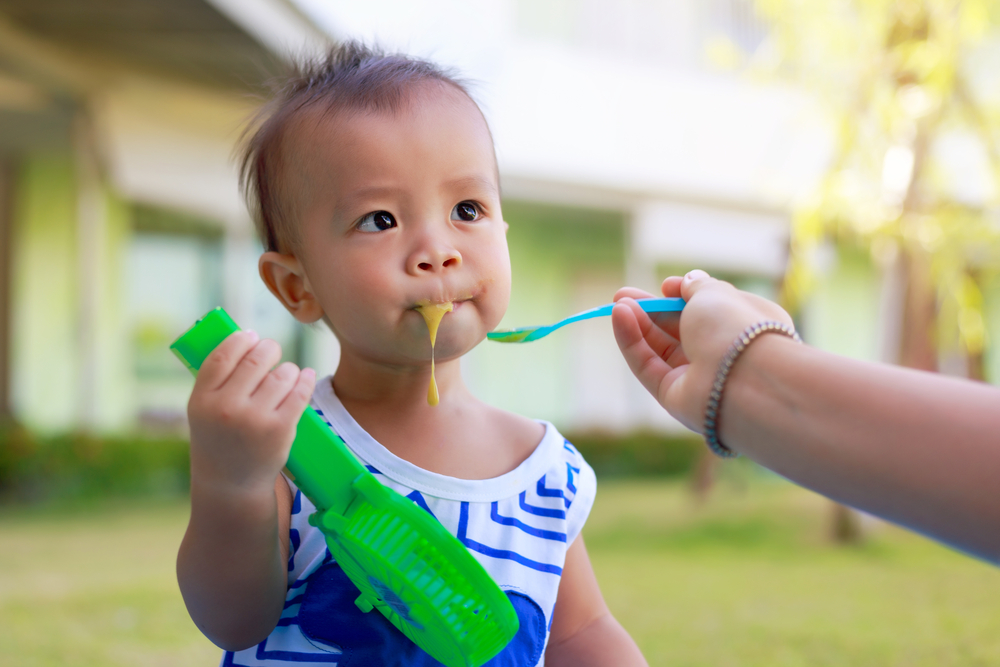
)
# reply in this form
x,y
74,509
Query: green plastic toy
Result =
x,y
402,560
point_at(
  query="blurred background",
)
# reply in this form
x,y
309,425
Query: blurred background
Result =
x,y
842,156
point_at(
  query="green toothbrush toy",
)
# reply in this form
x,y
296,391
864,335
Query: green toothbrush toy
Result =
x,y
402,560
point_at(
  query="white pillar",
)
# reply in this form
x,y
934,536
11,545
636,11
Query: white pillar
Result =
x,y
90,226
640,271
238,272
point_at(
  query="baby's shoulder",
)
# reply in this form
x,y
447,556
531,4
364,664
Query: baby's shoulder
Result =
x,y
517,428
522,437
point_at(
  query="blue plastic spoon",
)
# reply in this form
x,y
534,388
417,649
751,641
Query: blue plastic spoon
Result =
x,y
528,334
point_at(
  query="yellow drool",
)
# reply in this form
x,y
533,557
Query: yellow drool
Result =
x,y
433,312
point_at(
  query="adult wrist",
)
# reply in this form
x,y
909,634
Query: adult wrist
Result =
x,y
740,345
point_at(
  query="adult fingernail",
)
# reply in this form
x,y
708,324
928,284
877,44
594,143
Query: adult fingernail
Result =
x,y
254,336
695,275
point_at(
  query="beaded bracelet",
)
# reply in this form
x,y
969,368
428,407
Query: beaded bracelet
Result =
x,y
715,397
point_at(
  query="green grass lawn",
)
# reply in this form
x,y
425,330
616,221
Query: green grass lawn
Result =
x,y
748,579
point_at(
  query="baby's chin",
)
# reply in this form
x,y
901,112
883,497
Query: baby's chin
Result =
x,y
458,332
414,349
454,344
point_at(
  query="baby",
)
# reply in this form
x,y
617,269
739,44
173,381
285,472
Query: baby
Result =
x,y
375,190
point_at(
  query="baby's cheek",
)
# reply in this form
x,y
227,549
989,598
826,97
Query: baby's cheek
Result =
x,y
492,319
498,301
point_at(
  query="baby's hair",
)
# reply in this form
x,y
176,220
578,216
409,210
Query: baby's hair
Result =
x,y
348,77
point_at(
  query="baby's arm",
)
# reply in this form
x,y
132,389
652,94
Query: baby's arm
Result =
x,y
231,566
583,630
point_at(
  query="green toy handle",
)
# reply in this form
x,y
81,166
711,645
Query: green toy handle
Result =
x,y
320,463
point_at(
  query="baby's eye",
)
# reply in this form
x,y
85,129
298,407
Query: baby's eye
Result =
x,y
377,221
465,211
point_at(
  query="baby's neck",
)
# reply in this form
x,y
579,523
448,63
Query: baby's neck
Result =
x,y
460,437
394,388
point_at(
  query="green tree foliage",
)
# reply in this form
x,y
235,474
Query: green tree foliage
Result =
x,y
912,91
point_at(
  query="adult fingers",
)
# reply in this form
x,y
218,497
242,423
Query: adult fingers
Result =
x,y
632,293
660,377
693,282
221,362
642,359
727,305
676,357
662,342
297,398
671,287
669,322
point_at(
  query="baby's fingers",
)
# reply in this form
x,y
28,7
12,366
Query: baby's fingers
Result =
x,y
296,400
219,365
254,367
275,386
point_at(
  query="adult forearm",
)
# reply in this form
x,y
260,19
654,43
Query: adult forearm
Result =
x,y
916,448
230,567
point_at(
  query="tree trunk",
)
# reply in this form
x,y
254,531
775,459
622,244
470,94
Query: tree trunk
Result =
x,y
703,476
975,361
976,366
846,525
6,261
918,348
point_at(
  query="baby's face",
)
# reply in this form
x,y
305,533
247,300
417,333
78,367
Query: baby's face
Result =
x,y
397,210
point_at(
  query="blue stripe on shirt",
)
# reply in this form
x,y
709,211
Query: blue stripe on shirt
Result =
x,y
293,545
530,530
569,482
544,492
418,498
539,511
295,656
463,524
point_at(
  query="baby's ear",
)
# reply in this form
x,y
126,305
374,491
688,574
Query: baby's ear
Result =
x,y
285,277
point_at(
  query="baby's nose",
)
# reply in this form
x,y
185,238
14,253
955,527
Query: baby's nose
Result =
x,y
433,257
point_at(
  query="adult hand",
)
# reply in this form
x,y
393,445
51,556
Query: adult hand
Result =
x,y
676,356
912,447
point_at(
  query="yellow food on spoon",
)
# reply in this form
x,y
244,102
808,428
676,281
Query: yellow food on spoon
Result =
x,y
433,312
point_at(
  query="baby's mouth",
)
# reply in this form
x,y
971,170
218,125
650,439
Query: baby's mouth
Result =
x,y
454,303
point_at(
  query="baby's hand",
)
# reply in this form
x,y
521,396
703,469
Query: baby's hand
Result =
x,y
243,414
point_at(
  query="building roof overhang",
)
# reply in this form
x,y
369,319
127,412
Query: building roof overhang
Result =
x,y
223,44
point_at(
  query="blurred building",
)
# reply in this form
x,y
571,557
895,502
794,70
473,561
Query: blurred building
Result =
x,y
625,155
631,148
120,219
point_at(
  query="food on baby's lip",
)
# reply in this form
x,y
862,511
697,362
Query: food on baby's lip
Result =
x,y
433,312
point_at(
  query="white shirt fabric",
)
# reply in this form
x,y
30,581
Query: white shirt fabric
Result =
x,y
518,526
